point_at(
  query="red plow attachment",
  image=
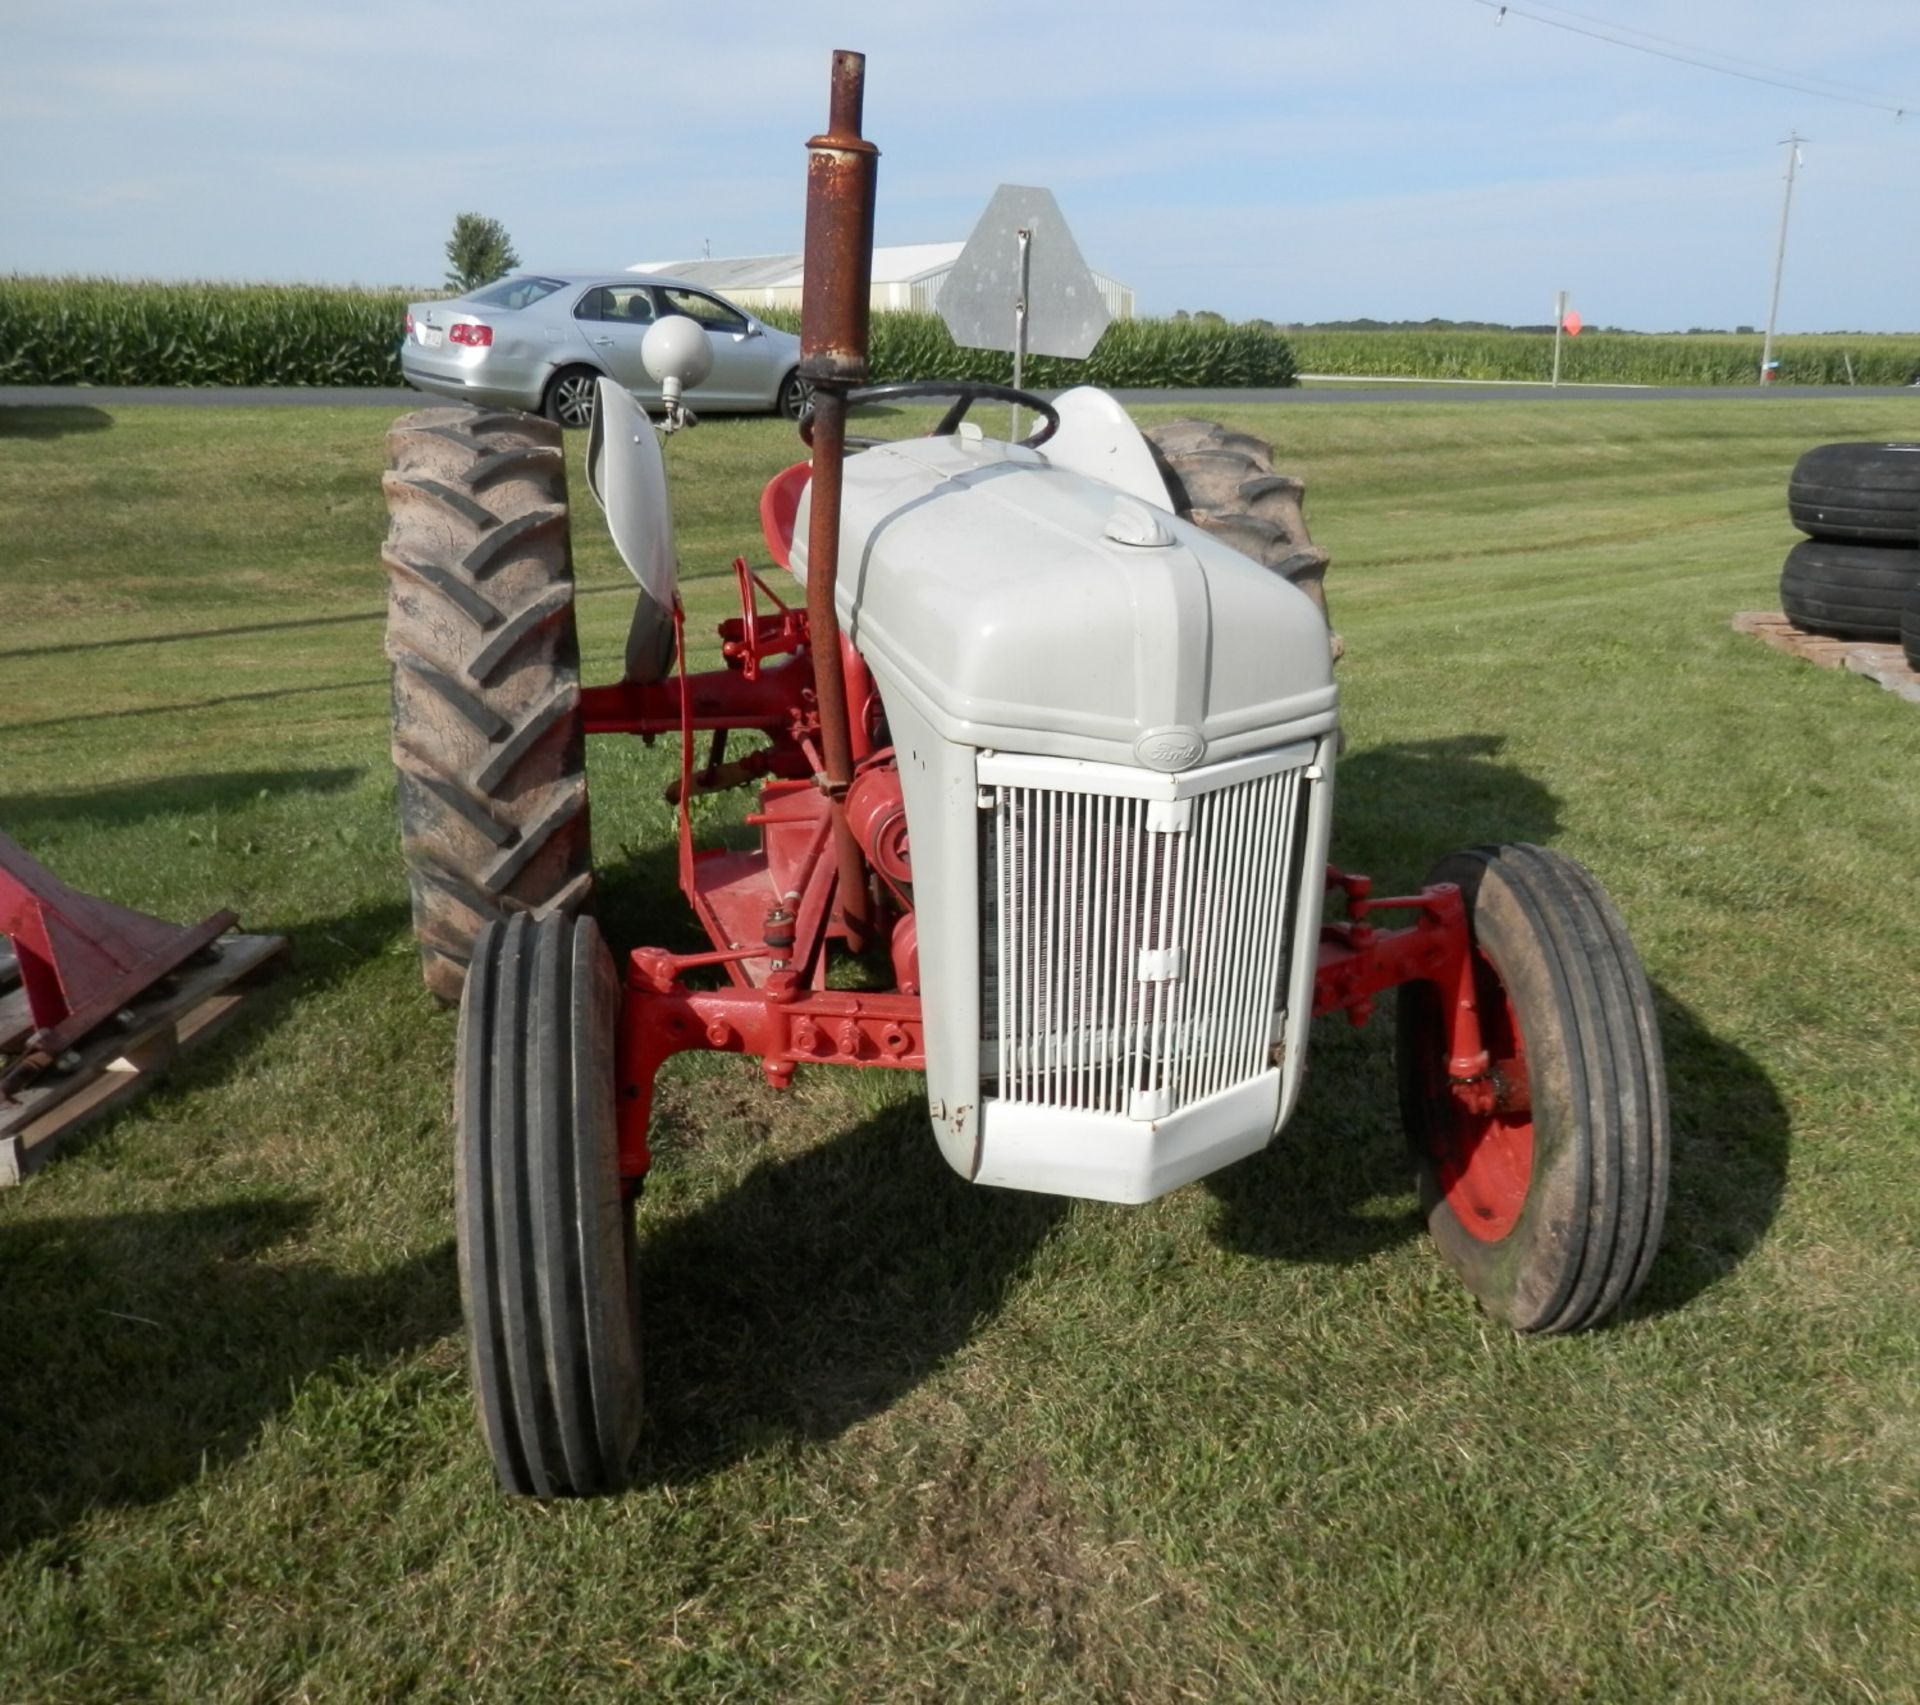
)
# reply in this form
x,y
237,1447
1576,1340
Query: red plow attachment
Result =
x,y
95,998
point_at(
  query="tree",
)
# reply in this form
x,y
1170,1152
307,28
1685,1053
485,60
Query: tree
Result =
x,y
478,252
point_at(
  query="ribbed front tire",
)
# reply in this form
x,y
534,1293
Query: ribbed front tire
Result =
x,y
1848,591
1549,1206
547,1272
1858,494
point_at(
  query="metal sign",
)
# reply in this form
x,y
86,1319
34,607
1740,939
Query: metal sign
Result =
x,y
1020,283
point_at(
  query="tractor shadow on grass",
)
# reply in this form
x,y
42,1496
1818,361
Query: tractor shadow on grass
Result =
x,y
1399,809
25,420
1337,1186
820,1290
827,1283
139,1349
1732,1146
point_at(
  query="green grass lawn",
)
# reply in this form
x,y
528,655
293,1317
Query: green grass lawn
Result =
x,y
911,1438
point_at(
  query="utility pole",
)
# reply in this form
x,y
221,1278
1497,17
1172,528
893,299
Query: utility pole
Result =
x,y
1792,145
1559,320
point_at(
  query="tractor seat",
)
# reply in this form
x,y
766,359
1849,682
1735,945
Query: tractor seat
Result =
x,y
779,505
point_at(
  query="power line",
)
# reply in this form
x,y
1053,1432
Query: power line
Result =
x,y
1732,60
1712,53
1692,56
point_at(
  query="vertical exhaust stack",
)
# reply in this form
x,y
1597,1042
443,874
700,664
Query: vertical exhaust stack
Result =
x,y
842,168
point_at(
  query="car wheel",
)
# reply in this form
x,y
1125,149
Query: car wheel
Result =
x,y
571,395
795,394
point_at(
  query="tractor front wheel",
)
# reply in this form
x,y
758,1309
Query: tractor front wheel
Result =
x,y
547,1272
1545,1183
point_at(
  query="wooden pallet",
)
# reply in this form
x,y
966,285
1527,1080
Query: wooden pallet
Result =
x,y
124,1057
1886,665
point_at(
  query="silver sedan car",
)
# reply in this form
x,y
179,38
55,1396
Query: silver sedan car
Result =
x,y
541,341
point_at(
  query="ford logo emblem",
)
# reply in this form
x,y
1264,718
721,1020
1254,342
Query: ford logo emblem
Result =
x,y
1169,748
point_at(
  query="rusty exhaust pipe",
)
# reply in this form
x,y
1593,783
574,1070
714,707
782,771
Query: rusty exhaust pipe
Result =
x,y
842,168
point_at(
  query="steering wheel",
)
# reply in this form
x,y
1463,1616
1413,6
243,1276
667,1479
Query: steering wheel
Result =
x,y
965,393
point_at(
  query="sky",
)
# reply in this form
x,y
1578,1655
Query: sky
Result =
x,y
1390,158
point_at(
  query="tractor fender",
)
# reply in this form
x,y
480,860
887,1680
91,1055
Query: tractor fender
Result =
x,y
628,475
1097,438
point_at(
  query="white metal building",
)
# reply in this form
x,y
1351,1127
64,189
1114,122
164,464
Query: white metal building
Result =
x,y
906,276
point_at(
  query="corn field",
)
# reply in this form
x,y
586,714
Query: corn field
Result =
x,y
1604,358
96,331
106,332
92,331
1133,354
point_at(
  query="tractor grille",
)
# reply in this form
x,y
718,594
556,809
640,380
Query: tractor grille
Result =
x,y
1135,950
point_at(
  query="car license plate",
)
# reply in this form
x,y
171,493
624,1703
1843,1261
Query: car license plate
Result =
x,y
432,336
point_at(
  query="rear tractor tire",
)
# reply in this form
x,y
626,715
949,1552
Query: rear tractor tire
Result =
x,y
1549,1206
1224,482
548,1278
486,678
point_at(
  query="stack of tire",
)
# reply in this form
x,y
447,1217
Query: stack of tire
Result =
x,y
1857,574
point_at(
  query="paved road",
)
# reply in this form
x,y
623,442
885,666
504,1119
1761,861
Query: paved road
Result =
x,y
1361,392
81,396
262,396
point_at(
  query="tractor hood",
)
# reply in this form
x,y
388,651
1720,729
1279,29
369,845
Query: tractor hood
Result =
x,y
1025,607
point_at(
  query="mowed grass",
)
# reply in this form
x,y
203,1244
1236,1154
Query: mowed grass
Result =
x,y
909,1438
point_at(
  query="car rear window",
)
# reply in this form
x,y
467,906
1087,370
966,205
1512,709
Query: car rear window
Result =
x,y
516,292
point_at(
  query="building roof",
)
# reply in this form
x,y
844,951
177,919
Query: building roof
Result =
x,y
746,273
902,264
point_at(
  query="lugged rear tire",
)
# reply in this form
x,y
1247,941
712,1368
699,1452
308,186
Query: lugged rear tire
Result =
x,y
1224,481
548,1278
487,734
1550,1207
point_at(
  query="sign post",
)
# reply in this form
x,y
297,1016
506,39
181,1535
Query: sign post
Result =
x,y
1025,238
1563,321
1022,256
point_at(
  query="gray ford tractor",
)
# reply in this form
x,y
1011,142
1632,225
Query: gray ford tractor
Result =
x,y
1048,738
